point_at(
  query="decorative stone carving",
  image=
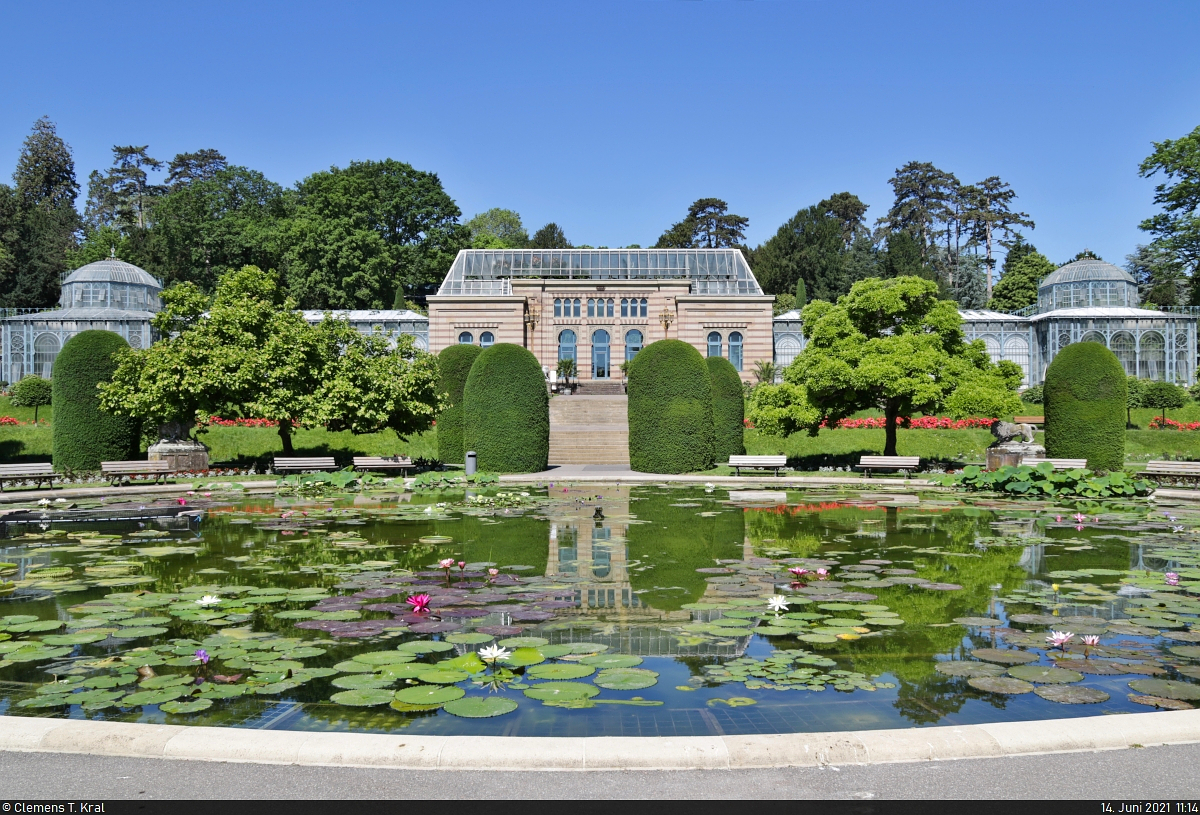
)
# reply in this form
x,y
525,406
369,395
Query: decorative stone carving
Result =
x,y
175,446
1007,431
1006,450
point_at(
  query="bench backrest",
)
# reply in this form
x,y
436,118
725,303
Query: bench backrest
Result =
x,y
1029,419
889,461
318,461
1173,466
757,461
136,466
27,469
370,461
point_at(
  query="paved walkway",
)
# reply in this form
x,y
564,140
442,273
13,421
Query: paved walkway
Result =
x,y
1152,773
613,473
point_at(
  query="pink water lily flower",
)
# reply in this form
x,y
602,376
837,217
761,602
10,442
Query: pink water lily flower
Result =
x,y
446,563
1079,517
797,571
1172,578
1058,519
822,574
419,603
1059,639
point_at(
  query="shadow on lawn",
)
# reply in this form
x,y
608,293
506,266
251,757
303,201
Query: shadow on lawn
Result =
x,y
849,462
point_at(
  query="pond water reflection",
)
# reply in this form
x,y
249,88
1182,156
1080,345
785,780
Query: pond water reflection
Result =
x,y
621,611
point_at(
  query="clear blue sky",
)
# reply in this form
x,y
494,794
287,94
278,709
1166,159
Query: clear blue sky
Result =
x,y
610,118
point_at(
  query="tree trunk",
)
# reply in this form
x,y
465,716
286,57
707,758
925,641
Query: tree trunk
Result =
x,y
988,226
889,430
35,409
285,435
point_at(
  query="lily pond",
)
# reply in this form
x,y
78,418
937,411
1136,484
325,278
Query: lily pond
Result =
x,y
590,611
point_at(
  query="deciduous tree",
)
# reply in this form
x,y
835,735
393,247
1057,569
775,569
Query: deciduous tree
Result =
x,y
550,236
1176,228
1018,287
497,229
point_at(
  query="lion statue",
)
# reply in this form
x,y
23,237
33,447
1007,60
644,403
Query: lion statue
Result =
x,y
1007,431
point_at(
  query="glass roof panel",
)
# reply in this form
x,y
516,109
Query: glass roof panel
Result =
x,y
711,271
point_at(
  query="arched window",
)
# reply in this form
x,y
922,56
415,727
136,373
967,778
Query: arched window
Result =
x,y
714,344
993,348
1093,336
609,311
1123,346
633,343
566,344
1016,349
591,307
487,339
1152,356
465,338
624,306
1183,365
600,354
45,349
557,306
644,304
576,306
786,351
735,349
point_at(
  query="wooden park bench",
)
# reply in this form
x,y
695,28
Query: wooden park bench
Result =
x,y
1059,463
118,471
1029,419
400,463
37,473
304,464
906,464
1156,470
739,463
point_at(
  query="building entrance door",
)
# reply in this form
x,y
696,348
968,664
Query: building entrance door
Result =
x,y
600,354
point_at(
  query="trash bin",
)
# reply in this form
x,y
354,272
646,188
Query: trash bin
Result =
x,y
470,462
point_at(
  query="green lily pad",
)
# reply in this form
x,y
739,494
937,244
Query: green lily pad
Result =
x,y
400,671
425,647
626,678
165,681
363,697
469,638
37,626
1189,651
968,668
430,694
377,658
360,681
406,707
561,690
883,621
1045,675
194,706
1167,689
612,661
135,632
435,676
523,642
1159,702
72,639
223,691
523,657
480,707
279,687
817,639
353,666
560,670
1004,656
153,697
1000,684
1071,695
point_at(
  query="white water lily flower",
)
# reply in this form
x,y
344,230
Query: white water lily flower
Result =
x,y
45,502
208,600
493,653
777,603
60,500
710,486
524,495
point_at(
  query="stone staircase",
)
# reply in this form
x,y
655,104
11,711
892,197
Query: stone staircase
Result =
x,y
589,429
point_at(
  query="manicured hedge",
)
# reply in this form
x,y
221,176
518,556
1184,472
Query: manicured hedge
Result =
x,y
83,435
1084,404
506,411
729,409
670,409
454,364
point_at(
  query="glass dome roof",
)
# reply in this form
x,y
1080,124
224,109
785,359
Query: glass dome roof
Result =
x,y
1085,271
112,270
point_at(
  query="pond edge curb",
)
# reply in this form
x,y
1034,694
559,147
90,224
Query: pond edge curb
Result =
x,y
401,751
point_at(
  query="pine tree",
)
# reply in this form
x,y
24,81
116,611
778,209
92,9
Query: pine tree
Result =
x,y
199,166
549,236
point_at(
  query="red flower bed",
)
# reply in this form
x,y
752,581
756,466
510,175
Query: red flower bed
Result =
x,y
9,420
920,423
217,420
1157,423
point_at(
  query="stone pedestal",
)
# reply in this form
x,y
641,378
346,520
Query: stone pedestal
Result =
x,y
184,454
1012,453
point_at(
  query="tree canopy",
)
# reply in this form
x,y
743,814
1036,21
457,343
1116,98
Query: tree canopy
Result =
x,y
1177,227
550,236
708,225
247,352
1018,287
807,249
497,229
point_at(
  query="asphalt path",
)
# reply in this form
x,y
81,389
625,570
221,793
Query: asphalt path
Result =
x,y
1154,773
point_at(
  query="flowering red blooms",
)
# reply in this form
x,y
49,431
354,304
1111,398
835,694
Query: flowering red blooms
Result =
x,y
919,423
217,420
1157,423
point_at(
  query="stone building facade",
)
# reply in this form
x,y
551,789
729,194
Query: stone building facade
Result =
x,y
599,307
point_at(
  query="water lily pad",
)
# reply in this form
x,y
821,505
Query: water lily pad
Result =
x,y
359,681
425,647
968,668
36,626
523,642
436,676
430,694
612,661
1004,656
1071,694
560,670
1045,675
1159,702
194,706
1189,651
72,639
407,707
480,707
626,678
363,697
978,622
561,690
1166,688
524,656
153,697
383,658
469,638
1000,684
224,691
134,632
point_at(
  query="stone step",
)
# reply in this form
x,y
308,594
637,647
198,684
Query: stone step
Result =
x,y
590,428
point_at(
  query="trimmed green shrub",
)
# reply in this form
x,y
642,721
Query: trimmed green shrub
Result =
x,y
1163,396
1084,399
84,435
729,409
32,391
1032,395
454,364
670,409
506,411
